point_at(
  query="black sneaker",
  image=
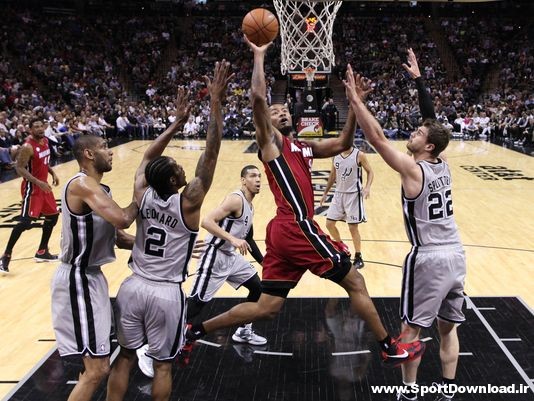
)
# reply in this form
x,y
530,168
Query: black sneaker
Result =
x,y
358,262
4,263
45,257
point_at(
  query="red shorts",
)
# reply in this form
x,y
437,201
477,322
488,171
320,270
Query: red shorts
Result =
x,y
296,246
36,202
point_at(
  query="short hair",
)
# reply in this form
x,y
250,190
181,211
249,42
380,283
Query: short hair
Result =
x,y
35,120
245,169
158,173
84,142
438,136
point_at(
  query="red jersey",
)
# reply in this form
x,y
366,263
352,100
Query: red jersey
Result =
x,y
289,177
38,165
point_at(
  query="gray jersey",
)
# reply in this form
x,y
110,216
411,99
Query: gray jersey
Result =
x,y
348,172
429,217
236,226
163,243
87,240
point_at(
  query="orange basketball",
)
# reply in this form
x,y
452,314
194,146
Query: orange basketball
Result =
x,y
260,26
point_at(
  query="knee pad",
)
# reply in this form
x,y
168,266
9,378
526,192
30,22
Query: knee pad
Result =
x,y
25,223
51,220
340,269
253,285
194,307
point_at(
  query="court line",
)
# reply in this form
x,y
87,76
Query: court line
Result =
x,y
511,339
486,308
472,306
525,305
365,351
273,353
209,343
465,354
29,374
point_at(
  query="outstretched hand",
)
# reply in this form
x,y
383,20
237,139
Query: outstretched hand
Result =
x,y
412,67
255,48
221,77
183,107
356,85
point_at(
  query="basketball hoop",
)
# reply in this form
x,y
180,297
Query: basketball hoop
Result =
x,y
306,30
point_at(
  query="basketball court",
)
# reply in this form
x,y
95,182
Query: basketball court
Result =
x,y
306,357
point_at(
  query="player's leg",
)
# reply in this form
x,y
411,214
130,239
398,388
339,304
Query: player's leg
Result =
x,y
120,374
245,333
96,369
449,349
162,382
267,307
25,223
410,333
332,229
357,242
43,254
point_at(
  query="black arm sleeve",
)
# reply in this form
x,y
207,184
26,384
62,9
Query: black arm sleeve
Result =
x,y
425,100
254,250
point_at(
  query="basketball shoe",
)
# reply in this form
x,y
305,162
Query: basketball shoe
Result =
x,y
4,263
245,334
358,261
398,353
144,362
43,255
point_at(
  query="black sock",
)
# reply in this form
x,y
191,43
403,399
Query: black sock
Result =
x,y
197,331
448,382
385,343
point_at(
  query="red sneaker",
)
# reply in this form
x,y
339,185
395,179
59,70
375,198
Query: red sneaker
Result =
x,y
399,353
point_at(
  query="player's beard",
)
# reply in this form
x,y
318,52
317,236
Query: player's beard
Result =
x,y
286,131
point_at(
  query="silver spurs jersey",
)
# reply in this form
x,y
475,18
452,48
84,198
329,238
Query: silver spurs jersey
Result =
x,y
87,240
428,218
163,243
236,226
348,172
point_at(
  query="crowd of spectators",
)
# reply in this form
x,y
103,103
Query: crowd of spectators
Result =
x,y
114,76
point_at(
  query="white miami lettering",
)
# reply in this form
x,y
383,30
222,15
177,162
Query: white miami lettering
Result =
x,y
306,152
44,153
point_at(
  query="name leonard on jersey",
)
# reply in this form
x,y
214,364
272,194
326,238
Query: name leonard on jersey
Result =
x,y
161,217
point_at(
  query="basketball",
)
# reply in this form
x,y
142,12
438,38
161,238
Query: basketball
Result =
x,y
260,26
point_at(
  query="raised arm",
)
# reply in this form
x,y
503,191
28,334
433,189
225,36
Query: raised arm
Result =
x,y
88,191
231,206
196,190
426,107
267,137
157,147
396,159
334,146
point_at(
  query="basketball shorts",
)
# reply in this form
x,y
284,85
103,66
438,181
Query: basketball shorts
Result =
x,y
433,285
36,202
296,246
216,267
153,312
347,206
81,311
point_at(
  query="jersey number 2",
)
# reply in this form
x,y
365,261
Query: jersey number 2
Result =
x,y
435,208
156,241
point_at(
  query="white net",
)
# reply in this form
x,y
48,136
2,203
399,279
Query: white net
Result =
x,y
306,30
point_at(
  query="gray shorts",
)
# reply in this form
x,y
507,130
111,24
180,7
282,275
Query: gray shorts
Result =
x,y
81,311
215,268
347,206
433,285
153,312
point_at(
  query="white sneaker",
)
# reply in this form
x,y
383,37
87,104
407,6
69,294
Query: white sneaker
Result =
x,y
247,335
146,365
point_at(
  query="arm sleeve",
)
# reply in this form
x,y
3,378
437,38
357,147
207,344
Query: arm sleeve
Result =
x,y
425,100
254,250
